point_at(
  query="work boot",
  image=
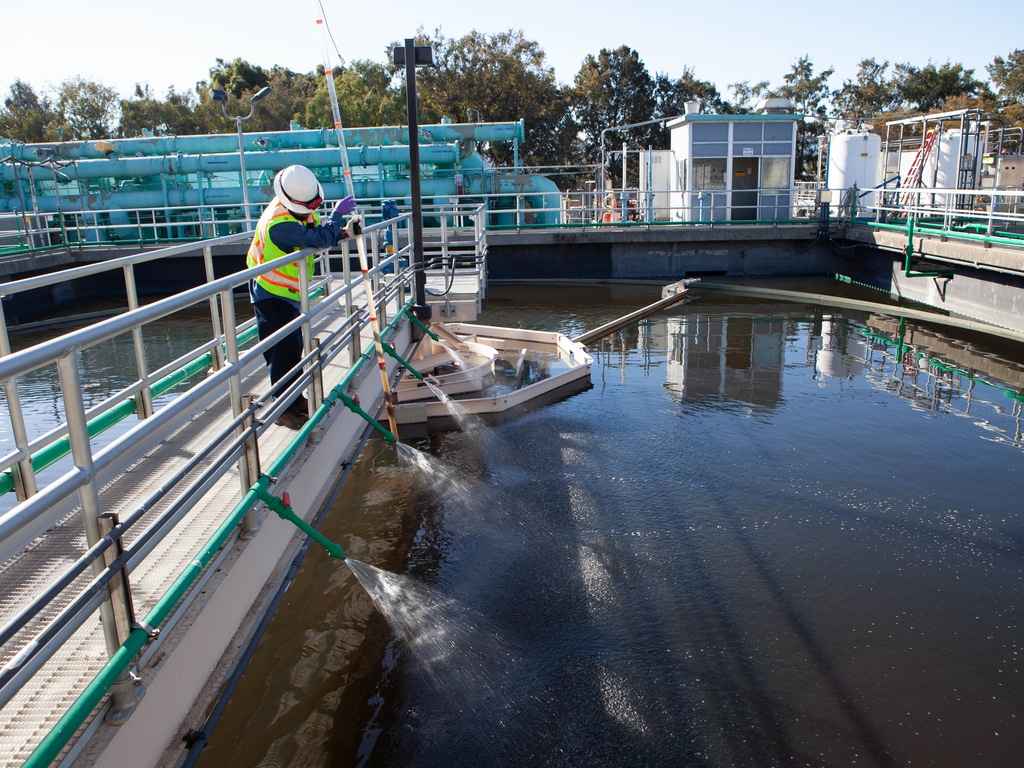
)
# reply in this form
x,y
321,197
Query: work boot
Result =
x,y
291,418
301,405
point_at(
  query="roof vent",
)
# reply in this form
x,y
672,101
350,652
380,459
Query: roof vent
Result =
x,y
775,106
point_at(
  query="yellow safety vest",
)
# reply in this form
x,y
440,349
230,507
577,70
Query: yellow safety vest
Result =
x,y
283,281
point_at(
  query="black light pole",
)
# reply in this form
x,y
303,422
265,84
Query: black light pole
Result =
x,y
413,56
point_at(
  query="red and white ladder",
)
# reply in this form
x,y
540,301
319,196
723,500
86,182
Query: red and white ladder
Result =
x,y
912,179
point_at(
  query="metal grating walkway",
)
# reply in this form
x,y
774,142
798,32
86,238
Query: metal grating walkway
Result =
x,y
31,714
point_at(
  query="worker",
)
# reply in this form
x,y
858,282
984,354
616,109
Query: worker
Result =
x,y
288,224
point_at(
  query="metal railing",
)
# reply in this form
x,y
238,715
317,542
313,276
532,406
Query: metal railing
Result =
x,y
163,397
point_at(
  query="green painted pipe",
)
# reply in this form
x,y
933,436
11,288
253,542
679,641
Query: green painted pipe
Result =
x,y
282,506
908,253
417,321
391,351
52,744
353,405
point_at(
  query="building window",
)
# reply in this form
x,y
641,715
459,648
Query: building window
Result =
x,y
776,173
709,173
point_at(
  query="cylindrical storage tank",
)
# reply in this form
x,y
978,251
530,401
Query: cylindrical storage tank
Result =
x,y
947,174
855,157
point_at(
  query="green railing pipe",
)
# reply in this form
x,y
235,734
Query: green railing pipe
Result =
x,y
52,744
50,454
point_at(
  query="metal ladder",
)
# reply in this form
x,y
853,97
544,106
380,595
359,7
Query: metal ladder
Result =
x,y
912,180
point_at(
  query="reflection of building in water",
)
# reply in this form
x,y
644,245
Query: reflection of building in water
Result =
x,y
732,358
939,373
838,348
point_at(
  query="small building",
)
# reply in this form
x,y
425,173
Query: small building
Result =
x,y
735,167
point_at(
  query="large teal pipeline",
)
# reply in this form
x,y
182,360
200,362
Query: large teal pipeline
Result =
x,y
476,183
52,744
270,160
258,141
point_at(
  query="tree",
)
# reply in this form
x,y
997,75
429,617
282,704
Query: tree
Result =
x,y
809,94
290,93
746,95
671,95
87,110
927,89
613,89
176,115
497,78
870,95
1008,75
25,117
366,97
238,77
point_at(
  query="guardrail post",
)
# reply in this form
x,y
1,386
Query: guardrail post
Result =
x,y
123,691
218,328
249,466
126,692
316,395
144,398
23,474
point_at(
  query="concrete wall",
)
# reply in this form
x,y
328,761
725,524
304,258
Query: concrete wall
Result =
x,y
658,253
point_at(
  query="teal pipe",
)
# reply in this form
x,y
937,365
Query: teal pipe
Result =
x,y
129,168
477,184
908,253
307,138
55,741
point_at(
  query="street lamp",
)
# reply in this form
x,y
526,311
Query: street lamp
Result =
x,y
222,96
412,56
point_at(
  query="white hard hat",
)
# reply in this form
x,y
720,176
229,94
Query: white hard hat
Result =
x,y
297,188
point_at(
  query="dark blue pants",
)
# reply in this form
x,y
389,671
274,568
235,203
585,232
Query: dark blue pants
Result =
x,y
271,315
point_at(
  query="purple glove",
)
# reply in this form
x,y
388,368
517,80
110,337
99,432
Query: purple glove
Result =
x,y
345,206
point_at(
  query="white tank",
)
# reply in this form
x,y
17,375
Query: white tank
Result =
x,y
855,157
950,150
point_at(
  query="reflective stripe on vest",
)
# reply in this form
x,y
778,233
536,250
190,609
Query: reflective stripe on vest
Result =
x,y
283,281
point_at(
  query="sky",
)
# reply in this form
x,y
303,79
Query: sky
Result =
x,y
123,42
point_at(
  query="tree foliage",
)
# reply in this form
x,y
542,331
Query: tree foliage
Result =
x,y
505,77
86,110
613,90
26,117
808,93
926,89
871,93
175,115
496,78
